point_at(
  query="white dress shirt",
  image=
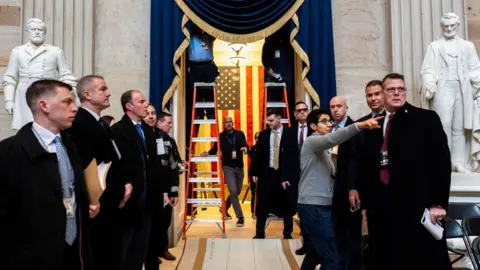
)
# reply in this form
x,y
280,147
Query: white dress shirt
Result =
x,y
135,124
386,121
94,114
45,137
279,133
299,130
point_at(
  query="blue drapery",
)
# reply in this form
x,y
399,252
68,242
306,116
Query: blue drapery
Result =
x,y
316,39
165,37
240,16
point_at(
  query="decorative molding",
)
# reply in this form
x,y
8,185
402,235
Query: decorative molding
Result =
x,y
416,23
69,26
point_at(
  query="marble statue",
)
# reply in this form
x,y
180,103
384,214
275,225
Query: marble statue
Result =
x,y
450,86
28,63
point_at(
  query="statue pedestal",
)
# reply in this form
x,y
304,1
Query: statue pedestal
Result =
x,y
465,188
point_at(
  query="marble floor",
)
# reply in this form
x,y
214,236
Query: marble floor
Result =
x,y
274,230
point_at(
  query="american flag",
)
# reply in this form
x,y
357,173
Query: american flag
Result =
x,y
247,95
228,88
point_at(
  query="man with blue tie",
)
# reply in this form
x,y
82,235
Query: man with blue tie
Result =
x,y
138,166
44,210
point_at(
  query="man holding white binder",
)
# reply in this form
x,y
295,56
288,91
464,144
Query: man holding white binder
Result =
x,y
404,169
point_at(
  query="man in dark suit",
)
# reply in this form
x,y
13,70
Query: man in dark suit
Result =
x,y
374,98
233,145
266,173
138,165
347,224
291,144
162,212
405,168
44,209
94,141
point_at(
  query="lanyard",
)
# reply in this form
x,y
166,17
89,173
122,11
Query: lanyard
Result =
x,y
233,143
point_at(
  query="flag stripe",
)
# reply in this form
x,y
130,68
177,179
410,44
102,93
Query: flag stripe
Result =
x,y
243,114
261,97
250,83
256,101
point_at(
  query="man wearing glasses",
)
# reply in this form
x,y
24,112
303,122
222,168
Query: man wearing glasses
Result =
x,y
291,145
316,188
405,168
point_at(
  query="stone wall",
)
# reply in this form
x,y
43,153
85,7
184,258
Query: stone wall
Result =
x,y
362,48
473,22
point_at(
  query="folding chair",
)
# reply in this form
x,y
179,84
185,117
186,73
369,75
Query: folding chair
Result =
x,y
454,230
471,227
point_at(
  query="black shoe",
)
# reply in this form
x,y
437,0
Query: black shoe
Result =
x,y
259,237
287,236
254,217
228,217
240,222
301,251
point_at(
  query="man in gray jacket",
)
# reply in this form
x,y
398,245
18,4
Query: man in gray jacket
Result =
x,y
316,187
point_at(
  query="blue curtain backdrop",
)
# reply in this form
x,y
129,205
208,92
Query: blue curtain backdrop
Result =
x,y
165,37
240,16
315,36
316,39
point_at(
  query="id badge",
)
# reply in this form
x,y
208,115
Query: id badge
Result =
x,y
277,53
116,150
160,147
69,204
234,154
383,159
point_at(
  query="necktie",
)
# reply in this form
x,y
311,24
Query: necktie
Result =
x,y
300,141
140,132
67,176
275,150
385,171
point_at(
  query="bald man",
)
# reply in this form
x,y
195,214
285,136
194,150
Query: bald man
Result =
x,y
347,224
233,145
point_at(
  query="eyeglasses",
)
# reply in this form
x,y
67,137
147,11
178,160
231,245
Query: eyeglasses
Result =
x,y
301,110
392,90
325,121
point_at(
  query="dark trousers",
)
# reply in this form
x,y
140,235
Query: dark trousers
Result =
x,y
106,233
317,225
72,258
262,221
158,237
135,243
348,235
253,192
270,200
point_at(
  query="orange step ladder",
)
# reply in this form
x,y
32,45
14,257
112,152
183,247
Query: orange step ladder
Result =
x,y
283,105
193,177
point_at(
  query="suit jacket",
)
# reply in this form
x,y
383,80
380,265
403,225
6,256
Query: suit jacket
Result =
x,y
168,165
340,195
353,170
290,162
138,166
32,213
420,172
94,142
269,190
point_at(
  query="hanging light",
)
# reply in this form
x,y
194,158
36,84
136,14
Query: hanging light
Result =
x,y
237,47
237,60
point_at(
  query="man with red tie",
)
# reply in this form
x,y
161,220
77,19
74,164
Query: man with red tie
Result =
x,y
405,168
